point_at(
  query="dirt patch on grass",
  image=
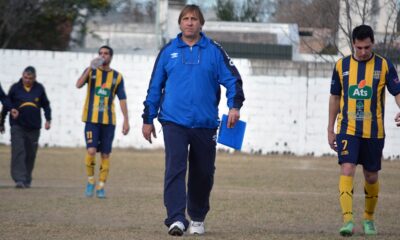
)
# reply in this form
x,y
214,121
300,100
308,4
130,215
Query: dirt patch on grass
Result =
x,y
254,197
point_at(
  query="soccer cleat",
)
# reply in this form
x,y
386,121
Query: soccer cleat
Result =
x,y
347,229
89,190
369,227
196,228
100,193
176,229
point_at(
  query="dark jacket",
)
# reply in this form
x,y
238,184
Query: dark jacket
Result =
x,y
28,103
4,99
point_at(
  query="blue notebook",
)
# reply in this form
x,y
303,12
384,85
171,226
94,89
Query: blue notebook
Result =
x,y
231,137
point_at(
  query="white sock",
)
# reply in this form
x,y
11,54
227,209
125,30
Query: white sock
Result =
x,y
91,179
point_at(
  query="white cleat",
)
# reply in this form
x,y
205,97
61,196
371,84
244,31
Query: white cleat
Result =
x,y
176,229
196,228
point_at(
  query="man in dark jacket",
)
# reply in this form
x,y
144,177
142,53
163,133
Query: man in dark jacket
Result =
x,y
27,97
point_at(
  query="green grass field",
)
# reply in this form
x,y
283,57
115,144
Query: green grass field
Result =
x,y
254,197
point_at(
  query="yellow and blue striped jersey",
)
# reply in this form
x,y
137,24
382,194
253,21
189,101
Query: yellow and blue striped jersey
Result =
x,y
361,86
101,90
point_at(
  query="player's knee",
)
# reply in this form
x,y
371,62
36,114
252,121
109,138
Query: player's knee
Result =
x,y
371,177
347,169
91,151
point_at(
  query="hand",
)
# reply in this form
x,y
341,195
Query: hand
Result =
x,y
125,127
233,117
397,119
2,129
147,130
332,140
47,125
14,113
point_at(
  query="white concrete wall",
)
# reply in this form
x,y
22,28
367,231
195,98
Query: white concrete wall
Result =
x,y
283,114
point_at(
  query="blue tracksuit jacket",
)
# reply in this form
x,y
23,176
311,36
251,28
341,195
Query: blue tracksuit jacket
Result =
x,y
185,84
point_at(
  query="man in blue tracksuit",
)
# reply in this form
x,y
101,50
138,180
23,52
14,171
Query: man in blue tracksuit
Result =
x,y
184,92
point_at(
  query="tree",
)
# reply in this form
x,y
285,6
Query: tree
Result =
x,y
308,13
371,12
247,11
136,11
11,22
44,24
341,16
225,10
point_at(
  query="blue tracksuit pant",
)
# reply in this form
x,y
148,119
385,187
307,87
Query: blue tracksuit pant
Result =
x,y
196,146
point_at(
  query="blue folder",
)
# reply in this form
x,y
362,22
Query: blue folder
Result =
x,y
231,137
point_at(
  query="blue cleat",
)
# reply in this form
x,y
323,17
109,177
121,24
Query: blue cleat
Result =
x,y
347,230
369,227
100,193
89,189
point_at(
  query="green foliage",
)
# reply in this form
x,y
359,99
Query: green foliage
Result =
x,y
44,24
249,11
225,10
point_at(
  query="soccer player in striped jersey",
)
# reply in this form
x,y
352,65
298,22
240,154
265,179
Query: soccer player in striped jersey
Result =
x,y
103,83
357,103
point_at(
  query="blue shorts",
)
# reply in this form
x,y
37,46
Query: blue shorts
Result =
x,y
99,136
357,150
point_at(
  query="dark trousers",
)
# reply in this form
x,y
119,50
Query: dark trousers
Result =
x,y
198,147
24,144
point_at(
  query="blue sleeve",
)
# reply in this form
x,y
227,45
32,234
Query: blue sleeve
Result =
x,y
3,115
45,103
392,80
4,100
4,110
2,94
155,90
10,98
121,90
229,77
336,87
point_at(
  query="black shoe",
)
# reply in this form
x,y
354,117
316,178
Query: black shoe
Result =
x,y
19,185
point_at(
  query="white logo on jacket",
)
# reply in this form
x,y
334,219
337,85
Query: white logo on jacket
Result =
x,y
174,55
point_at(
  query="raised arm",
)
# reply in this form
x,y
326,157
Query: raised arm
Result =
x,y
83,78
